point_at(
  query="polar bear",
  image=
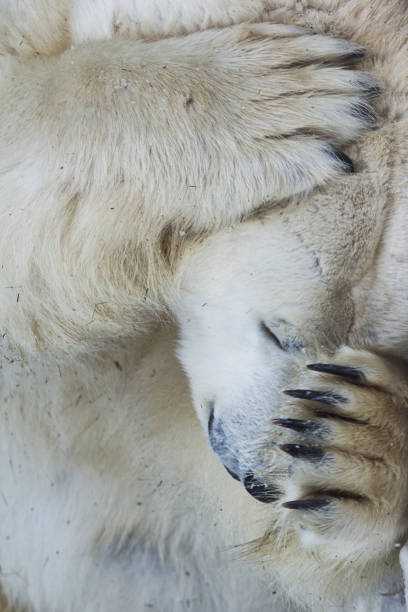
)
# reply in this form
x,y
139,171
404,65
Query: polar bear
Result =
x,y
173,180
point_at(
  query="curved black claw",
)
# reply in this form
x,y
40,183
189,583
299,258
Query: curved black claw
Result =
x,y
233,474
350,373
297,425
343,159
262,491
364,113
307,504
351,58
300,451
371,90
326,397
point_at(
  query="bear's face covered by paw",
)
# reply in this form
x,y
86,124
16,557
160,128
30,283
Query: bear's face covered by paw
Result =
x,y
132,165
330,455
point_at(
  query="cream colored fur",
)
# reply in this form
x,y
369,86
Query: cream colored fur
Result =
x,y
155,171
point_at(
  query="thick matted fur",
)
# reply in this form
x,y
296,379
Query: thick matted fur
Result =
x,y
179,165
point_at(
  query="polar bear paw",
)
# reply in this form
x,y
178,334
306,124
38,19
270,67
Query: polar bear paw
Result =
x,y
343,445
293,95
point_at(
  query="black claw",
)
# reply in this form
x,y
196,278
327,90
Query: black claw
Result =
x,y
352,374
326,397
211,420
374,91
307,504
233,474
370,89
262,491
343,159
363,113
300,451
351,58
297,425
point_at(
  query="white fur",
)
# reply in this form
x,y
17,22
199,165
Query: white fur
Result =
x,y
134,140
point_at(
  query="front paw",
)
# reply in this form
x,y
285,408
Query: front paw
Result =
x,y
343,441
297,101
